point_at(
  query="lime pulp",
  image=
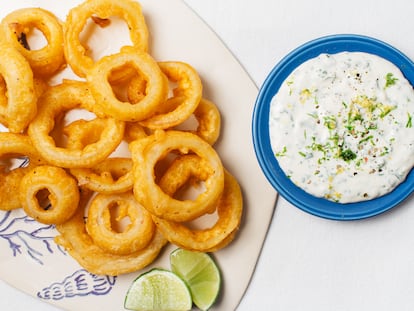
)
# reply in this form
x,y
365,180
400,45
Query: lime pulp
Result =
x,y
200,273
158,289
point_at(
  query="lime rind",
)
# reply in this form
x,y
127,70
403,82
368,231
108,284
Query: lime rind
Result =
x,y
200,273
158,289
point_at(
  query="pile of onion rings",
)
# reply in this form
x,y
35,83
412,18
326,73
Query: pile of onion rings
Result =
x,y
113,213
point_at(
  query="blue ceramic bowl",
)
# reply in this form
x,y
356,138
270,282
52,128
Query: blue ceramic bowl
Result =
x,y
261,139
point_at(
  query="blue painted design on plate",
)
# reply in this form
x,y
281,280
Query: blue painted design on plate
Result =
x,y
80,283
24,235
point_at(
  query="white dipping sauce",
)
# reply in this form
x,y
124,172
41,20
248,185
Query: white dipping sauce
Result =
x,y
341,126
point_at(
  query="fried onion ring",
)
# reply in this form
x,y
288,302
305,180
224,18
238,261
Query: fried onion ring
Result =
x,y
137,234
207,116
63,194
189,90
136,89
18,108
107,103
74,238
147,152
57,100
130,11
113,175
15,146
209,121
229,210
134,131
46,60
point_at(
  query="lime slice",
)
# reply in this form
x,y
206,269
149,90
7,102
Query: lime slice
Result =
x,y
158,289
201,274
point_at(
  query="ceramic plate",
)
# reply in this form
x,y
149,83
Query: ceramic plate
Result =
x,y
31,261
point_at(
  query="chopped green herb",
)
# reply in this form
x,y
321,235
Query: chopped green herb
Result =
x,y
281,153
365,139
348,155
330,122
409,123
386,151
385,110
305,94
390,79
289,83
313,115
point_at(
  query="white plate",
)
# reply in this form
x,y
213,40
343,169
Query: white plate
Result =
x,y
29,259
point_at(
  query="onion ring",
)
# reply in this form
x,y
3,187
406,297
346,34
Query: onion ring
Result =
x,y
128,10
58,99
74,238
137,234
208,118
189,90
107,103
44,61
136,89
81,133
113,175
209,121
63,197
206,113
13,146
19,108
229,210
146,152
134,131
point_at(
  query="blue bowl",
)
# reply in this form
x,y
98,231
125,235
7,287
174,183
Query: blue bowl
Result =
x,y
260,127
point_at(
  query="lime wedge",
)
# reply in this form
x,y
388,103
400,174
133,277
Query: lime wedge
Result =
x,y
200,273
158,289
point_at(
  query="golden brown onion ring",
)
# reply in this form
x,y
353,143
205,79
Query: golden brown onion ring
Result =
x,y
57,100
108,104
13,146
229,210
18,24
81,133
62,189
209,121
18,108
136,88
99,224
74,238
188,89
147,152
207,114
113,175
134,131
130,11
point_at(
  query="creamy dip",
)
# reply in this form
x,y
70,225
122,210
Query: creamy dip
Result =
x,y
341,126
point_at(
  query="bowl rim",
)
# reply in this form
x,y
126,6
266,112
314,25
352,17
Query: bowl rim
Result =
x,y
260,132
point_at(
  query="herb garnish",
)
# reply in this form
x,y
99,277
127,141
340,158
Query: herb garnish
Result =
x,y
348,155
281,153
390,79
409,123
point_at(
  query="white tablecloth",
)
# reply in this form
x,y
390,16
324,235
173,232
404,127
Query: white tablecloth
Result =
x,y
309,263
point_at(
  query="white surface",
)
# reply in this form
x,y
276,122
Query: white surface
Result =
x,y
310,263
